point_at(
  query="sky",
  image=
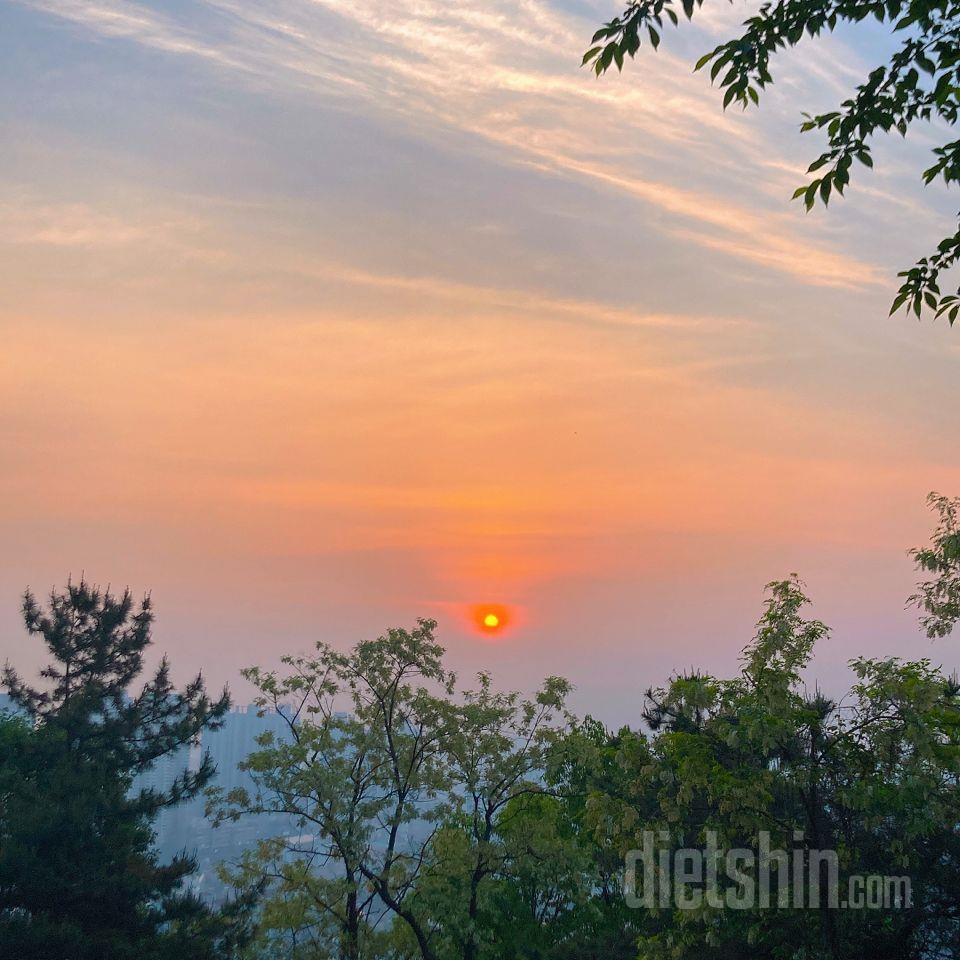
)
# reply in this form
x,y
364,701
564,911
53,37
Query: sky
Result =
x,y
320,316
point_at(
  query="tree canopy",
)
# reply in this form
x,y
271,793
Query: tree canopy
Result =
x,y
401,786
79,876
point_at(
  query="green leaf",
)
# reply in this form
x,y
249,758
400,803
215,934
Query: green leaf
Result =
x,y
606,57
718,65
898,303
704,60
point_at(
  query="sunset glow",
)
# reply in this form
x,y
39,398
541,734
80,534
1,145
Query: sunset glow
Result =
x,y
490,618
426,313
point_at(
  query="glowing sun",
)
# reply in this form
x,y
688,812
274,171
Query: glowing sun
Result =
x,y
491,617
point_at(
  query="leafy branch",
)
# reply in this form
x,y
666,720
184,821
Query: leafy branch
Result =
x,y
921,81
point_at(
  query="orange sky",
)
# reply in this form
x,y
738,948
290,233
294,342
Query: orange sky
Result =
x,y
311,353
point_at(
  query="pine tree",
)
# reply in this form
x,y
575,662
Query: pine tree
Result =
x,y
79,878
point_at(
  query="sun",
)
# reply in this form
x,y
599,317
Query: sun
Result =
x,y
490,618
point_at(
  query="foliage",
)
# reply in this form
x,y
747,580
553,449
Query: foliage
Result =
x,y
356,782
920,82
401,796
938,596
874,777
78,876
495,750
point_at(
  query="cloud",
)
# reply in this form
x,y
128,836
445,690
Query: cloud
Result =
x,y
131,21
505,72
511,299
32,221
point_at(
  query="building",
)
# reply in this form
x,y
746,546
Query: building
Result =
x,y
186,828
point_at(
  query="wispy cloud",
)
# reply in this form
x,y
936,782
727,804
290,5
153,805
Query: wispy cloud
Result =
x,y
499,298
29,220
43,227
506,73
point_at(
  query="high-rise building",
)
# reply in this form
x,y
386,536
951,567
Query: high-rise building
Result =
x,y
172,825
237,739
186,827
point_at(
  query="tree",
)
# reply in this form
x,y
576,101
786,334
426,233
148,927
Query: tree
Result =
x,y
78,876
400,787
938,596
921,81
357,780
560,897
496,752
873,777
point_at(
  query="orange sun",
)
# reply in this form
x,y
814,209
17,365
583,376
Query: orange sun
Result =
x,y
491,617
